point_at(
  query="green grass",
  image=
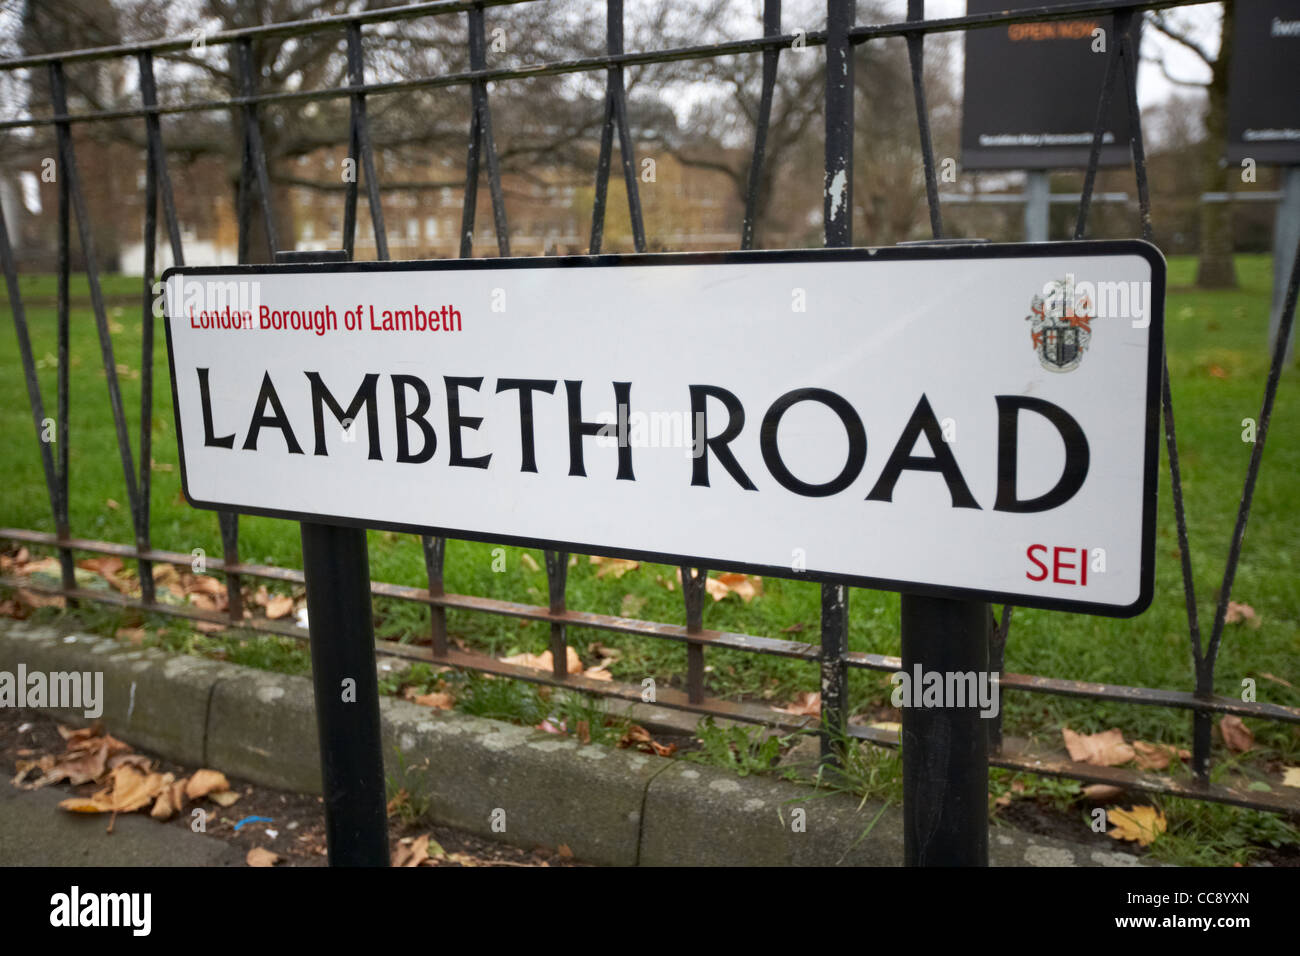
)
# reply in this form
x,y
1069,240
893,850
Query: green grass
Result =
x,y
1218,362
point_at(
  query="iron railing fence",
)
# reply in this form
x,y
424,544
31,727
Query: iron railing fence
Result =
x,y
839,39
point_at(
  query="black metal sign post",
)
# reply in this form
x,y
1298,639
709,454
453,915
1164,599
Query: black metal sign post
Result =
x,y
336,566
337,569
945,749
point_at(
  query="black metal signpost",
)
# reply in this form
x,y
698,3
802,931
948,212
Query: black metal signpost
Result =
x,y
336,567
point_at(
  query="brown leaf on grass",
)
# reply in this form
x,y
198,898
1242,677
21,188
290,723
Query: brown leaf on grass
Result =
x,y
37,599
614,566
1137,824
438,700
1291,776
744,586
598,673
1236,735
132,635
544,661
208,627
1242,613
205,782
1105,749
1277,680
807,704
793,628
583,730
528,561
279,606
1101,792
165,574
637,737
1157,756
206,584
260,856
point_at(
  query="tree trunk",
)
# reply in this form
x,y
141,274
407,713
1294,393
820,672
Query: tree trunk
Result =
x,y
1215,269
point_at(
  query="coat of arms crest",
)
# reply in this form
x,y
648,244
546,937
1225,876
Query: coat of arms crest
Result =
x,y
1060,325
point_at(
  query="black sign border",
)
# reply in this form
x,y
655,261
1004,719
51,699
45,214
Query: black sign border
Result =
x,y
945,252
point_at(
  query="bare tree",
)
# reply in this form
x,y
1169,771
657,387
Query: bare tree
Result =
x,y
1215,268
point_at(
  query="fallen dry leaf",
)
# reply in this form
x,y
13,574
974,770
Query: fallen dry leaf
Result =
x,y
744,586
1239,613
1105,749
1291,776
544,661
1277,680
807,704
224,798
438,700
1140,824
37,599
279,606
639,738
205,782
128,790
528,561
614,566
1101,792
260,856
413,853
598,673
133,635
1157,756
564,851
1236,735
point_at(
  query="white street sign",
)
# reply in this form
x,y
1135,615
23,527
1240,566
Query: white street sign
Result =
x,y
963,421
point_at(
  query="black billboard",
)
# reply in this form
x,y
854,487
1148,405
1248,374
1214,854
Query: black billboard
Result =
x,y
1264,83
1032,91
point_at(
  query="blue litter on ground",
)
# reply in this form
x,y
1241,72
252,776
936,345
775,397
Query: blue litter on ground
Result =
x,y
252,820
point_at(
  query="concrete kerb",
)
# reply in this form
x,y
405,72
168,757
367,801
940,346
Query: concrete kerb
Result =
x,y
491,778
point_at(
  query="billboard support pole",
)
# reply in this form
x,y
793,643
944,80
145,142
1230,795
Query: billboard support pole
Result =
x,y
1037,205
336,567
1286,236
945,749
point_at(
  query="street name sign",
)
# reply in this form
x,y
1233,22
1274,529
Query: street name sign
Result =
x,y
970,421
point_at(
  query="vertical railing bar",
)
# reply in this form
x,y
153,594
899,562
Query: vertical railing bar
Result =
x,y
557,577
626,151
253,141
356,75
63,385
693,587
1256,457
1124,25
916,59
68,171
998,631
153,132
350,194
146,364
469,206
1098,132
8,265
771,60
435,553
838,217
479,99
602,174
